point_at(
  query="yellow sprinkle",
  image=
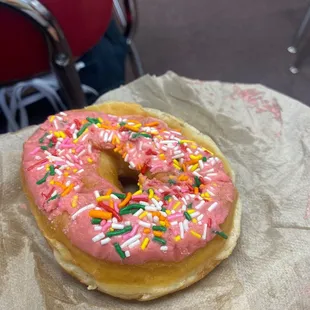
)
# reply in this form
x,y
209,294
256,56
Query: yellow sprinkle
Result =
x,y
47,169
151,193
162,156
176,162
176,205
62,134
142,215
117,140
162,223
89,160
207,151
52,118
52,182
186,141
177,167
193,157
205,195
177,238
145,243
195,234
156,197
100,119
75,141
74,201
194,167
56,134
75,170
139,192
191,211
194,147
73,151
168,212
101,198
195,221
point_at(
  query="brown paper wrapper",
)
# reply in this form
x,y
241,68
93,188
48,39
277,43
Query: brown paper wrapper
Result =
x,y
266,137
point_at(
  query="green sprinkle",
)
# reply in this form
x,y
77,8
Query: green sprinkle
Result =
x,y
190,206
95,221
163,209
159,228
221,234
159,240
170,181
119,251
122,123
51,144
204,159
44,148
52,170
140,134
80,132
197,182
53,197
119,231
120,196
41,140
133,207
167,197
93,120
188,217
43,179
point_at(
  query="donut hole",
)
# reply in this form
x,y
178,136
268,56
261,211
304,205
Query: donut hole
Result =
x,y
129,183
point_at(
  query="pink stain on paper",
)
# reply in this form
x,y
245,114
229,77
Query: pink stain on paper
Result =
x,y
255,100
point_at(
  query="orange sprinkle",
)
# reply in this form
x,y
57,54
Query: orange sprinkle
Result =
x,y
146,230
184,167
60,184
157,233
109,192
131,128
125,201
162,156
100,214
152,124
133,121
67,190
111,204
74,201
66,173
196,190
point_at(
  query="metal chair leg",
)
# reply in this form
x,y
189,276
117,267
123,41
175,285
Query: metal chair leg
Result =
x,y
59,51
300,33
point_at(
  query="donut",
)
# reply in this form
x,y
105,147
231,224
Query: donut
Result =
x,y
180,221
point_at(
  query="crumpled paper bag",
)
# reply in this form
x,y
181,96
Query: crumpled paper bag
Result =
x,y
266,137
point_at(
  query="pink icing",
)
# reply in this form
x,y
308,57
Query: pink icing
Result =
x,y
141,152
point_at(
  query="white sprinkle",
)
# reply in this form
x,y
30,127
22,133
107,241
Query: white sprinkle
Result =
x,y
174,197
144,224
127,253
111,136
164,214
213,206
89,149
55,124
118,226
204,234
68,183
63,113
96,193
189,150
106,136
54,193
40,168
98,208
59,118
184,200
167,141
126,157
197,174
150,217
127,223
134,244
98,237
74,136
150,208
88,207
207,178
97,227
199,223
199,218
177,152
195,214
84,137
211,193
172,211
80,171
143,203
183,208
37,157
211,174
114,197
164,148
105,241
130,240
58,171
72,126
114,220
164,248
200,204
181,230
139,212
177,156
76,188
131,164
200,162
156,219
155,202
101,134
174,223
49,136
185,224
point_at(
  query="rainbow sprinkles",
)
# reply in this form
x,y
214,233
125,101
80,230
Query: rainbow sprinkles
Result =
x,y
184,193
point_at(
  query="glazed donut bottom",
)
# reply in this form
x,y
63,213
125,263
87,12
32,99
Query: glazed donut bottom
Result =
x,y
151,279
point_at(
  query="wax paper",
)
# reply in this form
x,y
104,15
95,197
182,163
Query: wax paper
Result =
x,y
266,137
